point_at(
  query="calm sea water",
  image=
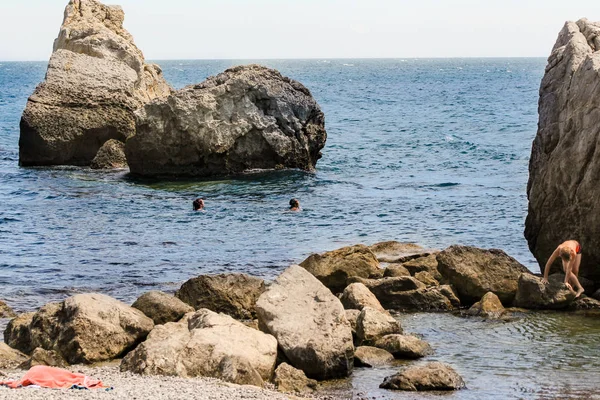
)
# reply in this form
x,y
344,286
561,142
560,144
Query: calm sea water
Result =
x,y
429,151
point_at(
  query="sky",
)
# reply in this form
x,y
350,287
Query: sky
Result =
x,y
278,29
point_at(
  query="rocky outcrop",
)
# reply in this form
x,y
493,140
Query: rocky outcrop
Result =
x,y
288,379
245,118
368,356
17,335
110,156
404,346
473,272
231,294
85,328
397,252
534,294
488,307
6,311
395,270
424,264
162,307
335,268
426,278
205,343
431,376
309,323
9,357
372,325
564,167
358,296
96,79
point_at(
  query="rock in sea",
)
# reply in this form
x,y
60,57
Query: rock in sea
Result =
x,y
248,117
96,79
431,376
564,167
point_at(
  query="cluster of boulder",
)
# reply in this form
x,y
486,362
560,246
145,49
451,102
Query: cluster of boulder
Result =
x,y
317,320
102,105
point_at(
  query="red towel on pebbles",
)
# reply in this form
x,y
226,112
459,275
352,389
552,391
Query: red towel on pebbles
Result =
x,y
56,378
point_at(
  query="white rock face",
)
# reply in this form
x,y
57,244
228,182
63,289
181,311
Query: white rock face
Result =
x,y
96,79
564,168
309,323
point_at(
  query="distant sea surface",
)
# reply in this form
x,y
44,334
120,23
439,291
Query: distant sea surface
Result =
x,y
432,151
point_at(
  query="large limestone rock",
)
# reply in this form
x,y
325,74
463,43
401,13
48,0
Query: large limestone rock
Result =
x,y
335,268
205,343
245,118
564,167
404,346
357,296
473,272
162,307
424,264
96,79
17,335
292,380
231,294
372,324
431,376
110,156
534,294
309,323
85,328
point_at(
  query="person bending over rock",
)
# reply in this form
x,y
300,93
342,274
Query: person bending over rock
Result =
x,y
570,254
294,205
198,204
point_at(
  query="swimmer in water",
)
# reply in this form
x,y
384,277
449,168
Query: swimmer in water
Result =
x,y
198,204
294,205
570,254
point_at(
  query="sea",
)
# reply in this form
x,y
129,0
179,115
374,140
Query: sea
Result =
x,y
430,151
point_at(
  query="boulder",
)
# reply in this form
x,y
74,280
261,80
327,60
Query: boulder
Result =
x,y
245,118
397,252
358,296
205,343
409,294
404,346
96,79
584,303
352,317
334,268
17,335
430,376
473,272
395,270
110,156
85,328
309,323
231,294
6,311
9,357
373,324
488,307
563,188
368,356
426,263
292,380
162,307
426,278
534,294
40,356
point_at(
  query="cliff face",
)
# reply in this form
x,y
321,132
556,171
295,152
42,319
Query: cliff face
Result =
x,y
564,170
96,79
244,118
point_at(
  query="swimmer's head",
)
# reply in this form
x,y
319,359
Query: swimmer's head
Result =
x,y
566,253
294,203
198,204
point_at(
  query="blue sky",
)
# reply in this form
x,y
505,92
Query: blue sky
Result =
x,y
208,29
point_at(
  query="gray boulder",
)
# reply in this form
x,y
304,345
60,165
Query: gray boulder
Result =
x,y
473,272
373,324
245,118
162,307
110,156
96,79
358,296
368,356
431,376
231,294
336,268
563,188
309,323
404,346
534,294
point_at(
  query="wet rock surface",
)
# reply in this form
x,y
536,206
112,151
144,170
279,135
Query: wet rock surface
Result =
x,y
431,376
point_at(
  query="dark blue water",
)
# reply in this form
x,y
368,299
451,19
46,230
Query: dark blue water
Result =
x,y
430,151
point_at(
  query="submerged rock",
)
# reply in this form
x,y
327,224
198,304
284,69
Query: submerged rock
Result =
x,y
110,156
335,268
309,323
245,118
96,79
563,188
431,376
231,294
473,272
488,307
534,294
162,307
404,346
